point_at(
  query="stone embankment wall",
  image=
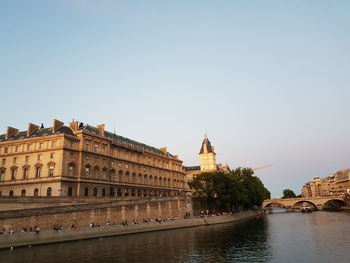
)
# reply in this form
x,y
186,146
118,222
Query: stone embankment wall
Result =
x,y
63,211
51,236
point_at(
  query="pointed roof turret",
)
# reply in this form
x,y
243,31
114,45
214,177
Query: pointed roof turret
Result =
x,y
206,146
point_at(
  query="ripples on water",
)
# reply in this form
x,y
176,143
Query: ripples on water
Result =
x,y
280,237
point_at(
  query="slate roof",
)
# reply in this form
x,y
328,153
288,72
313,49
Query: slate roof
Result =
x,y
208,144
192,168
64,129
38,133
125,140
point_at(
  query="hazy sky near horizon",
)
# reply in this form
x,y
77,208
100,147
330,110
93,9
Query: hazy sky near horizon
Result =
x,y
268,80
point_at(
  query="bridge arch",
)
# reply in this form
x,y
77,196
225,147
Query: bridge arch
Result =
x,y
271,204
295,205
333,204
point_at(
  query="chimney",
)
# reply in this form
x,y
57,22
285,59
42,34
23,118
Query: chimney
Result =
x,y
101,128
10,132
56,124
164,149
74,126
31,128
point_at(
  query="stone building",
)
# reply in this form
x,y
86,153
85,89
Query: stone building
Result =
x,y
207,161
82,160
336,184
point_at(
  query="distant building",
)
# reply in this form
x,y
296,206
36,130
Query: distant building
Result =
x,y
333,185
207,161
83,160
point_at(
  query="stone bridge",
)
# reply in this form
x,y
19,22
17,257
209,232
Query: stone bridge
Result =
x,y
292,203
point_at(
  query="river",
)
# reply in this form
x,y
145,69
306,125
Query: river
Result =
x,y
278,237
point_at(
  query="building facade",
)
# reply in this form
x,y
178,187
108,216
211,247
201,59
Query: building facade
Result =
x,y
83,160
337,184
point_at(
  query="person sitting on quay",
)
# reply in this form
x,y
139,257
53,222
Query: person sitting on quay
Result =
x,y
75,227
125,223
36,229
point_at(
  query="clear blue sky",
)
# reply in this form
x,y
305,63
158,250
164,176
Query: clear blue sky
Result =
x,y
268,80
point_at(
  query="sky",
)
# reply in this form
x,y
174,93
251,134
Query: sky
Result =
x,y
267,80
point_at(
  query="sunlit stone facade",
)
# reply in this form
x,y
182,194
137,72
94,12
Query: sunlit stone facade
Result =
x,y
82,160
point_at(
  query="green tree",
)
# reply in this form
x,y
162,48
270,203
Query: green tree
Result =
x,y
233,190
287,193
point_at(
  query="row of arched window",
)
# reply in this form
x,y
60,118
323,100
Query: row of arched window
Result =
x,y
35,192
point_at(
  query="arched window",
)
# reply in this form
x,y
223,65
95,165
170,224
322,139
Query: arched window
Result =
x,y
70,191
23,193
95,191
86,191
11,193
87,170
36,192
49,191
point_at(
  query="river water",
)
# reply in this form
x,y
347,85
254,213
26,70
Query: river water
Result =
x,y
278,237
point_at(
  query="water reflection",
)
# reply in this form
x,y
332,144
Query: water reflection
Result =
x,y
219,243
280,237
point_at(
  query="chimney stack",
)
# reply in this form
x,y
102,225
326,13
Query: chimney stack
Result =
x,y
31,128
101,128
56,124
10,132
164,149
74,126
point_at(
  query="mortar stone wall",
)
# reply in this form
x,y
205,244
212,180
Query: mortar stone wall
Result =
x,y
99,213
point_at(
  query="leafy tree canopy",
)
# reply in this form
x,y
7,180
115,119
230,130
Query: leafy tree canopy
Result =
x,y
287,193
239,188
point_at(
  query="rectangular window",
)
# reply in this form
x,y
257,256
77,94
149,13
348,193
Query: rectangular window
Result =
x,y
87,146
51,155
27,159
13,174
39,157
51,171
70,169
41,146
38,172
3,161
25,173
5,150
14,159
17,149
53,144
28,147
2,175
